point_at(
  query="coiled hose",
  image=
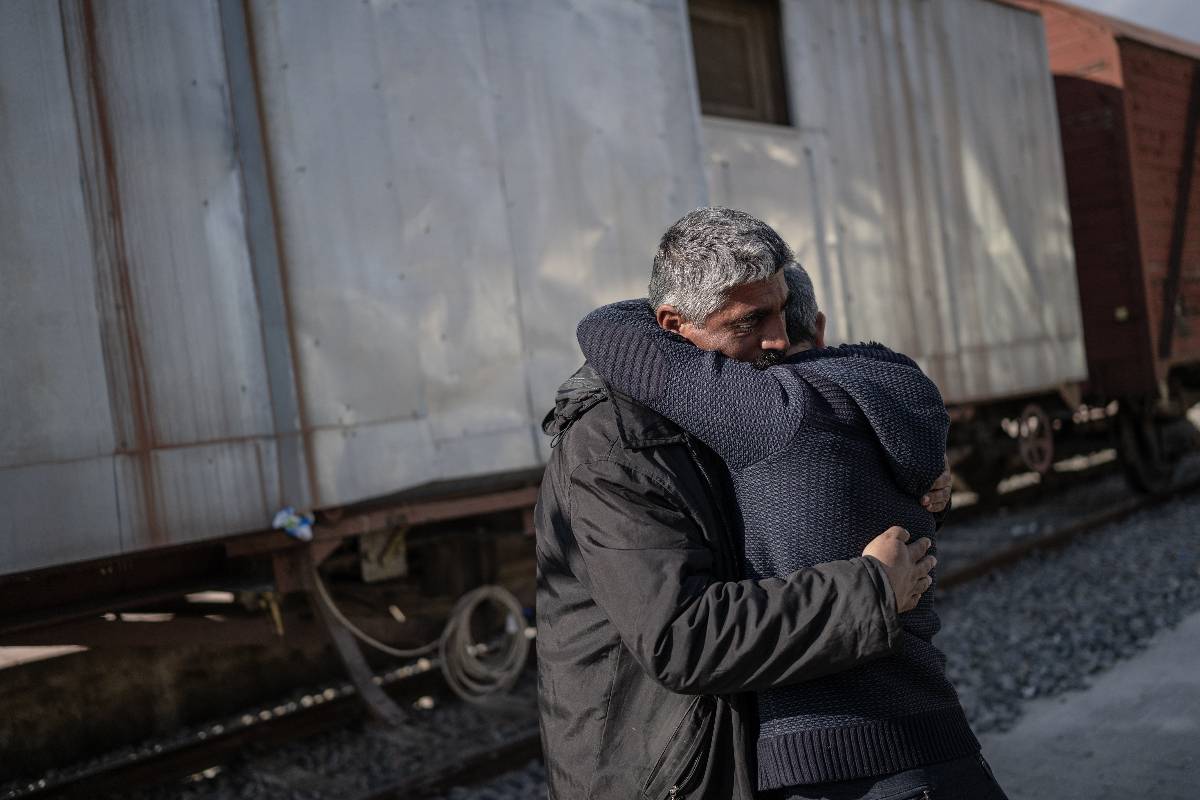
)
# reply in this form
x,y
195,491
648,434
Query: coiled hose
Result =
x,y
474,671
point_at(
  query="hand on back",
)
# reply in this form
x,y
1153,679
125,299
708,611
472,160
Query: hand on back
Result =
x,y
907,564
938,496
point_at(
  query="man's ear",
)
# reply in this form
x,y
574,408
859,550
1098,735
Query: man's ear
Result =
x,y
669,318
819,329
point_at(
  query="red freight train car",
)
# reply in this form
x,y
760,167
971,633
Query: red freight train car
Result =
x,y
1128,103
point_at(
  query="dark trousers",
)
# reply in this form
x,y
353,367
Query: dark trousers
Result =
x,y
968,778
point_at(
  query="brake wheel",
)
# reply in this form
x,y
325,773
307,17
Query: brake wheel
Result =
x,y
1035,439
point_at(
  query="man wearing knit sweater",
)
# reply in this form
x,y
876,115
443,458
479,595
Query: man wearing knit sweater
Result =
x,y
825,446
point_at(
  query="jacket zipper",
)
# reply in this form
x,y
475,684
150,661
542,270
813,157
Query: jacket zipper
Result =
x,y
711,490
678,726
685,779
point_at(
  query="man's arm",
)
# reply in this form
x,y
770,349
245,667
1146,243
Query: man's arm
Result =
x,y
738,410
646,566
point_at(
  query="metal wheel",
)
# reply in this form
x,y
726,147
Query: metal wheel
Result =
x,y
1035,440
1148,465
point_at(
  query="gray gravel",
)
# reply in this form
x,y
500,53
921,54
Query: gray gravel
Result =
x,y
528,783
1044,625
972,533
358,758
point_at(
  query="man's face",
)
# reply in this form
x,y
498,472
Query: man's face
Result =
x,y
747,327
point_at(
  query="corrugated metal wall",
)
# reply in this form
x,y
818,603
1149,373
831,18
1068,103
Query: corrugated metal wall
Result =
x,y
330,254
300,252
136,410
924,183
452,201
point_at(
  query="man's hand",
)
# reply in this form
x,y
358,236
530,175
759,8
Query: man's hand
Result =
x,y
907,565
939,494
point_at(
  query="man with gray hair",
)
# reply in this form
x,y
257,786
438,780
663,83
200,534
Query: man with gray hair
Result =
x,y
650,630
824,447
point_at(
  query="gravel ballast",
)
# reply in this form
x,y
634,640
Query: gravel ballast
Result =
x,y
1042,626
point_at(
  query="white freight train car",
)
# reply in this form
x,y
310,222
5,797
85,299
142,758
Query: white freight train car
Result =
x,y
309,253
304,253
922,184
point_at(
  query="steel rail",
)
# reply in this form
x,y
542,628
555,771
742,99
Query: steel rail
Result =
x,y
1060,536
216,743
468,768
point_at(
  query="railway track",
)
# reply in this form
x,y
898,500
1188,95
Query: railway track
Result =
x,y
214,744
473,766
1059,535
330,708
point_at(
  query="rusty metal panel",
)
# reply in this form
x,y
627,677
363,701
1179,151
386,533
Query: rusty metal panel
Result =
x,y
1080,43
1107,257
1158,93
184,353
160,77
52,387
450,204
57,437
379,292
137,399
948,202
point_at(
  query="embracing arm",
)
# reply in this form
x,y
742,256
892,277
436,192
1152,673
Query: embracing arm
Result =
x,y
741,412
646,566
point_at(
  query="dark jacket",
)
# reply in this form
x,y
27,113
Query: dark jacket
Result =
x,y
824,450
646,632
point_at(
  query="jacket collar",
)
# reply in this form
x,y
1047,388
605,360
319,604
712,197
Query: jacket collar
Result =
x,y
641,426
637,425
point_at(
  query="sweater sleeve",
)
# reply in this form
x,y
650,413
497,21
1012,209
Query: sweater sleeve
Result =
x,y
740,411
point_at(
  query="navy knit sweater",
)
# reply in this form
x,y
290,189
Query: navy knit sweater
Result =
x,y
826,451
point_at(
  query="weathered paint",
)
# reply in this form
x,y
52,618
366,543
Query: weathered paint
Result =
x,y
142,410
924,185
57,439
1111,292
296,473
1124,92
454,208
378,293
439,191
1159,97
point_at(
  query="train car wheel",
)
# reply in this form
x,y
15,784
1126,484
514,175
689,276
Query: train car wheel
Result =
x,y
1144,456
1035,439
982,468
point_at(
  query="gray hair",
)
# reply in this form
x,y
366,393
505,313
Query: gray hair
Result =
x,y
800,314
708,252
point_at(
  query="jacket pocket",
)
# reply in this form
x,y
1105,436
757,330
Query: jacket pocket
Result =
x,y
682,762
921,793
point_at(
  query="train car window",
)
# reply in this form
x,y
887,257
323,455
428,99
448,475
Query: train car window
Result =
x,y
739,59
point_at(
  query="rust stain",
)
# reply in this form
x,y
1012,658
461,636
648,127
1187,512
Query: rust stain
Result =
x,y
139,390
306,431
